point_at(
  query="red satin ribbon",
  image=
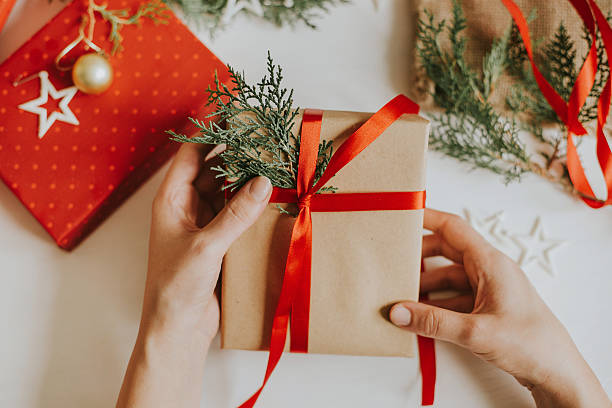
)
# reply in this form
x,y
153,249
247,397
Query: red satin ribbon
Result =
x,y
294,302
568,112
427,360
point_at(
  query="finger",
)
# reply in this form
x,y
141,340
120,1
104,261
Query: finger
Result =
x,y
434,245
205,213
208,184
432,321
444,278
462,303
238,214
186,165
176,202
453,230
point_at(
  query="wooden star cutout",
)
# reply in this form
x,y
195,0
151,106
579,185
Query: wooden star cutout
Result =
x,y
536,247
35,106
489,227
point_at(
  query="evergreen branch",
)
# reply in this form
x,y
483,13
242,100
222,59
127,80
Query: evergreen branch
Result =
x,y
259,120
154,10
283,12
469,130
278,12
557,61
469,140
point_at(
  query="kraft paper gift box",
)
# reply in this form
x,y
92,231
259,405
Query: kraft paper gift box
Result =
x,y
361,261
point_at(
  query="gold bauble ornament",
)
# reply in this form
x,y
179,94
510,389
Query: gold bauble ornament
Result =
x,y
92,73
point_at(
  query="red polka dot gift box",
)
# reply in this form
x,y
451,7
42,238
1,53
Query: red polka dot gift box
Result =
x,y
71,157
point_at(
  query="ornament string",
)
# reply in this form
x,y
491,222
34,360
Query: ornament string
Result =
x,y
154,10
88,19
21,80
568,112
294,301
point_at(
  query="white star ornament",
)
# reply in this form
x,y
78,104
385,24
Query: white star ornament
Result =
x,y
536,247
45,121
489,227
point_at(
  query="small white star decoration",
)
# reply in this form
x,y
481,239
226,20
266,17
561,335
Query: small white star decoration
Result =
x,y
45,121
536,247
490,227
532,249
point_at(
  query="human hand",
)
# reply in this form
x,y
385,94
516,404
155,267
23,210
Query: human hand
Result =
x,y
498,316
180,314
188,241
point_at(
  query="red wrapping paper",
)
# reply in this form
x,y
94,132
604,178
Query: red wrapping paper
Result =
x,y
75,176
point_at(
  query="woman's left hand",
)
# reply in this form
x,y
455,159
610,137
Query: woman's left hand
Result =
x,y
180,313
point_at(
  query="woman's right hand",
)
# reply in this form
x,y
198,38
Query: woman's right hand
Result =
x,y
498,315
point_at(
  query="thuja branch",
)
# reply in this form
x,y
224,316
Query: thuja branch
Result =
x,y
216,13
256,124
153,10
469,129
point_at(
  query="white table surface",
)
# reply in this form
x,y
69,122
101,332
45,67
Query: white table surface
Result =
x,y
68,320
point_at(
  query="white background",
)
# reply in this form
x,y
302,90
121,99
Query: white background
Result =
x,y
68,320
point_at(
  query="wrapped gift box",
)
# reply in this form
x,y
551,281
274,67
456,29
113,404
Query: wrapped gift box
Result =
x,y
361,261
76,175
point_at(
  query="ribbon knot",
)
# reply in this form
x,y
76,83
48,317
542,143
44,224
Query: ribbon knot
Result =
x,y
304,201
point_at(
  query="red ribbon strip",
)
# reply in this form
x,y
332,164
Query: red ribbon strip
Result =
x,y
427,360
294,301
568,112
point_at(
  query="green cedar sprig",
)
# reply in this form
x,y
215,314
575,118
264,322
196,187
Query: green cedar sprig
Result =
x,y
256,124
154,10
279,12
469,129
284,12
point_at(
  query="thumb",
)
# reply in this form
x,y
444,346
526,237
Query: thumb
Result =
x,y
432,321
239,213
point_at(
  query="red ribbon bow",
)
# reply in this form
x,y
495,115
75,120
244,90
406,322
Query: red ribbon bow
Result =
x,y
593,19
294,301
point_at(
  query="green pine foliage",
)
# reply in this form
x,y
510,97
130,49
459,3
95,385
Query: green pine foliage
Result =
x,y
154,10
469,129
256,124
283,12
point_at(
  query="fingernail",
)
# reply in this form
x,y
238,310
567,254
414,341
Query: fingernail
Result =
x,y
260,188
400,316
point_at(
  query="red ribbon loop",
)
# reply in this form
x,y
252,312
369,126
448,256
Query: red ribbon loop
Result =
x,y
294,300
